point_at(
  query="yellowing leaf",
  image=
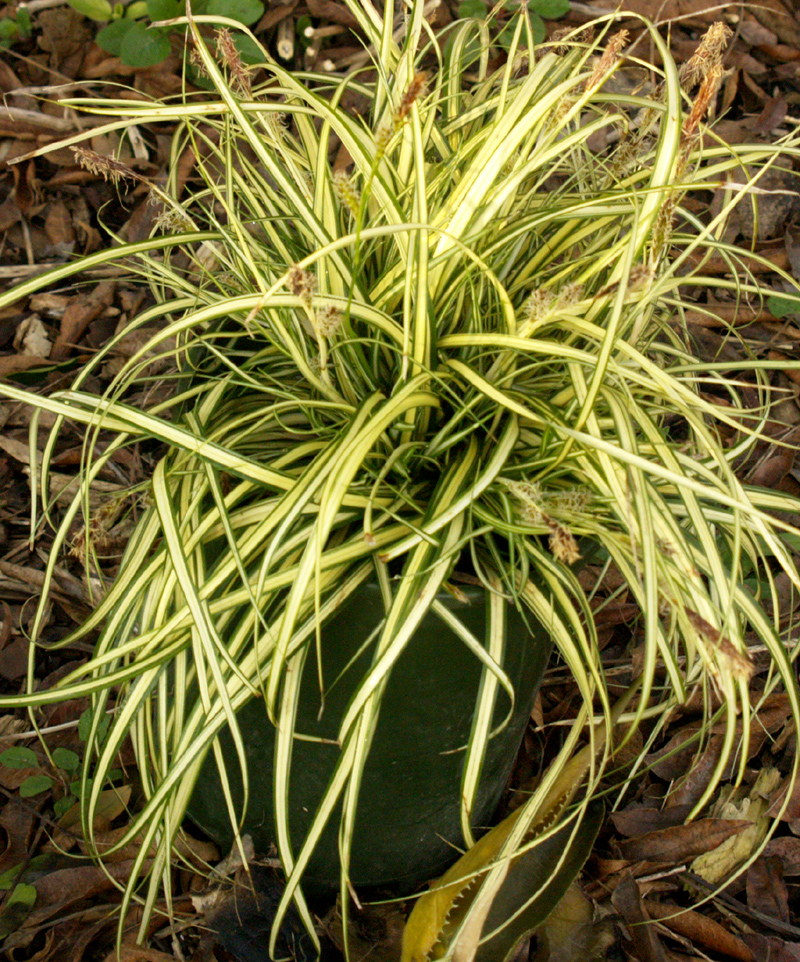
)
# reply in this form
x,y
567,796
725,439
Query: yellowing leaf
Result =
x,y
112,802
717,864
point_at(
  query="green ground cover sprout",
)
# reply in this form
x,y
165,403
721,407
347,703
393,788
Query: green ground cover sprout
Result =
x,y
16,26
462,344
129,32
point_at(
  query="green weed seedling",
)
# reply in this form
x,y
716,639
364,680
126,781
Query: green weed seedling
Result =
x,y
16,27
129,33
538,11
65,762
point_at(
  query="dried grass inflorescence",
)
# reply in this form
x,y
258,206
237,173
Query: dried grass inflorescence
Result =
x,y
537,305
346,191
706,68
302,284
706,57
106,167
416,89
537,508
328,320
608,60
228,53
172,218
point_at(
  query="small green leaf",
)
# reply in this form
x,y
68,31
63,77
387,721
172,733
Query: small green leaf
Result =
x,y
31,870
249,50
85,721
19,757
136,10
93,9
8,33
35,785
537,28
24,21
65,759
63,805
109,39
165,9
473,9
245,11
144,48
776,305
301,25
16,909
505,37
25,894
549,9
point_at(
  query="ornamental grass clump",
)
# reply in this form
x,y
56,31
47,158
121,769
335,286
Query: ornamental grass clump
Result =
x,y
457,346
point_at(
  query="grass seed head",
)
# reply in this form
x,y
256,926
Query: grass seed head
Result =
x,y
105,167
346,191
328,320
607,60
708,54
703,101
172,218
571,294
416,89
228,53
563,544
302,284
537,305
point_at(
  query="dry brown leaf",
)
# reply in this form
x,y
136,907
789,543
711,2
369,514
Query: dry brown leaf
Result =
x,y
699,928
772,949
793,805
675,759
688,789
15,363
766,889
138,953
787,849
14,660
646,943
31,338
571,934
110,805
58,226
63,889
374,933
682,842
80,312
17,820
639,819
49,305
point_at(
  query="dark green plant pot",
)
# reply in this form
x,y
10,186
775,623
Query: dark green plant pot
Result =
x,y
408,826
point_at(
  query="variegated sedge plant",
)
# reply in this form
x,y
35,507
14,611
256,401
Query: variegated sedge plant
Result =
x,y
463,342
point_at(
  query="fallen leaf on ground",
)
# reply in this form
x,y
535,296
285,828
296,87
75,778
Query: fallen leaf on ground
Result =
x,y
571,933
715,865
639,819
31,338
80,312
788,851
16,363
699,928
682,842
646,942
766,889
